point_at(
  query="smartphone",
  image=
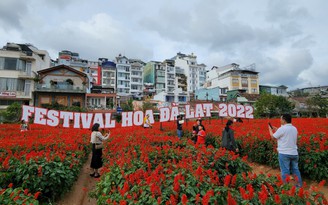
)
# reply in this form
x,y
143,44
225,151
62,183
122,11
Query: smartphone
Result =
x,y
270,125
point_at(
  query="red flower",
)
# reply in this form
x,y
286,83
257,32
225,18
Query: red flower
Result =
x,y
230,200
123,202
184,199
197,198
277,199
301,192
227,180
36,195
322,183
25,191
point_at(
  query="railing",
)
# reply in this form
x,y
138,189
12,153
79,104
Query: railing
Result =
x,y
60,88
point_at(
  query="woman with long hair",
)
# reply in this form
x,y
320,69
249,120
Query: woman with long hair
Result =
x,y
228,139
97,143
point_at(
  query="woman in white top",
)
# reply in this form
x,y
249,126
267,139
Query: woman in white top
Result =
x,y
96,139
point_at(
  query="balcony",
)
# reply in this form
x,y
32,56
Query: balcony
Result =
x,y
27,56
25,75
123,86
136,83
66,88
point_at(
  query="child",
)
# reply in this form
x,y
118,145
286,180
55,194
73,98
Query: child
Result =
x,y
201,135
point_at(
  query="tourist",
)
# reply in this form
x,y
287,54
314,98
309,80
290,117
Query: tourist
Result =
x,y
97,144
24,126
286,136
179,126
201,135
195,129
146,123
228,139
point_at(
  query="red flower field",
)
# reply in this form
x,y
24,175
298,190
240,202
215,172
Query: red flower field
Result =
x,y
150,166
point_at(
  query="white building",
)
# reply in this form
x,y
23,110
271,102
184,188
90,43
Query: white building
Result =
x,y
18,66
108,76
170,86
136,78
231,77
170,81
123,73
194,72
274,90
94,72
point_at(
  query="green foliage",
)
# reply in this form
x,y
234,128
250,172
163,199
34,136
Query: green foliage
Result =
x,y
57,106
13,112
51,178
17,196
118,117
271,105
318,105
128,106
147,106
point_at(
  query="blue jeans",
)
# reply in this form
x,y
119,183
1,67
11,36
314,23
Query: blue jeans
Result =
x,y
179,133
289,164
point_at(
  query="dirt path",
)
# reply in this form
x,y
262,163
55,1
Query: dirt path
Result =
x,y
258,169
81,188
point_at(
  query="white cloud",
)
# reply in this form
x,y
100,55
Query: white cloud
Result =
x,y
286,39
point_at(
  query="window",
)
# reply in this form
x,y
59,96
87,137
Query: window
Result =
x,y
11,84
235,80
254,82
10,64
244,82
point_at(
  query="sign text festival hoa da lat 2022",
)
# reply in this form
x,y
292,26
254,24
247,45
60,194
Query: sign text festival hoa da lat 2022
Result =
x,y
53,118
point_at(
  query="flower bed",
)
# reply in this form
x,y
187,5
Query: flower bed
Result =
x,y
144,166
43,160
149,166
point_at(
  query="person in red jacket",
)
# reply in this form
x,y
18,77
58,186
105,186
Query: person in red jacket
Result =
x,y
201,136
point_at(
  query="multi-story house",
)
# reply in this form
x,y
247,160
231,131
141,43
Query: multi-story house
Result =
x,y
108,75
160,78
136,78
231,77
61,84
123,73
274,90
170,80
94,69
18,66
103,93
194,72
73,60
310,91
154,76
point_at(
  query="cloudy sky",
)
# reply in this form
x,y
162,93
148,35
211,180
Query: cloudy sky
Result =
x,y
286,39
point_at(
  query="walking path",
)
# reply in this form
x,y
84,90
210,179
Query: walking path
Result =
x,y
80,190
258,169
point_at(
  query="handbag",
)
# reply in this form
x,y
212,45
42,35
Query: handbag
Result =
x,y
99,146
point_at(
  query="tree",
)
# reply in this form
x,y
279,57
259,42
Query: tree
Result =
x,y
147,106
13,112
128,106
271,105
317,105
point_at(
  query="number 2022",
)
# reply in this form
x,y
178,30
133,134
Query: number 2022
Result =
x,y
234,110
